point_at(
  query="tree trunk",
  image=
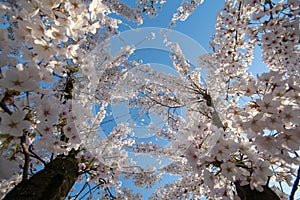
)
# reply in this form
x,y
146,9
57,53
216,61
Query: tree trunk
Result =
x,y
245,193
52,183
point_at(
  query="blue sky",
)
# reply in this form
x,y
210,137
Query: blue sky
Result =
x,y
199,26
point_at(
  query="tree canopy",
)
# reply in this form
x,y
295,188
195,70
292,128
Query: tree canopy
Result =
x,y
238,138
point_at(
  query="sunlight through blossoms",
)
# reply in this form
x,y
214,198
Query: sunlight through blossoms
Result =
x,y
114,123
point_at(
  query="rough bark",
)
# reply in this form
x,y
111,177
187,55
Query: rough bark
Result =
x,y
51,183
245,193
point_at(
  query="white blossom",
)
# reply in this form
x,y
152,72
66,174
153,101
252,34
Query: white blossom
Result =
x,y
14,124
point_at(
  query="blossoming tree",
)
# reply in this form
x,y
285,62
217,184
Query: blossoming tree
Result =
x,y
49,86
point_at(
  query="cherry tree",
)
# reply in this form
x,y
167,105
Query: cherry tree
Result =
x,y
240,135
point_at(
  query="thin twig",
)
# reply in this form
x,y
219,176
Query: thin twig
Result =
x,y
107,189
83,187
295,185
34,155
22,142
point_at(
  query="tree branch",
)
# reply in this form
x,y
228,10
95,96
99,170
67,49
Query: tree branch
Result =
x,y
22,141
245,192
295,185
34,155
26,158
